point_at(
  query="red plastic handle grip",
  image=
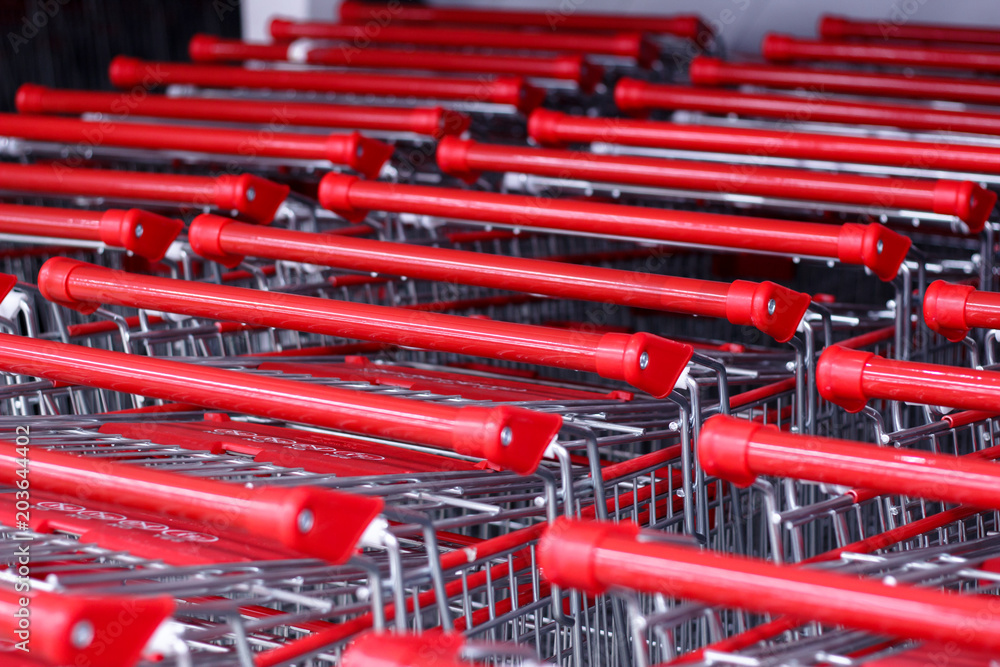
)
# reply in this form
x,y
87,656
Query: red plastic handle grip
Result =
x,y
366,156
964,199
952,310
472,430
146,234
835,27
742,302
782,48
738,450
637,96
872,245
311,520
851,378
594,557
72,629
713,72
576,68
554,128
431,121
253,198
625,44
689,27
426,649
513,91
651,363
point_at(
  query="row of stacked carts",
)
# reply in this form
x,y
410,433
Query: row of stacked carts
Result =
x,y
440,337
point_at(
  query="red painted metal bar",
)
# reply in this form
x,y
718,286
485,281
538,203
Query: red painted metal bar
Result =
x,y
62,628
597,556
784,48
406,650
625,44
850,378
835,27
713,72
649,362
430,121
361,154
952,310
575,68
635,96
144,233
738,451
964,199
318,522
129,72
742,302
873,245
253,198
690,27
510,437
553,128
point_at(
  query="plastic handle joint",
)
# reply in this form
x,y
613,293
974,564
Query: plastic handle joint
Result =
x,y
944,309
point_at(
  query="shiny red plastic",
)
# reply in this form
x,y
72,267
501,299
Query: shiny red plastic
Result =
x,y
146,234
253,198
738,450
952,310
851,378
872,245
426,649
633,95
783,48
742,302
625,44
366,156
472,430
649,362
689,27
63,628
835,27
318,522
714,72
595,557
554,128
129,72
576,68
430,121
966,200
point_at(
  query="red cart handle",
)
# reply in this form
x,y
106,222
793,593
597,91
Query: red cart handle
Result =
x,y
690,27
649,362
874,246
513,91
773,309
555,128
714,72
253,198
850,378
71,629
783,48
951,310
966,200
738,450
426,649
598,556
576,68
146,234
431,121
314,521
636,96
366,156
624,44
510,437
835,27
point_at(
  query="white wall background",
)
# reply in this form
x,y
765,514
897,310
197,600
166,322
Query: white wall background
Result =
x,y
740,23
